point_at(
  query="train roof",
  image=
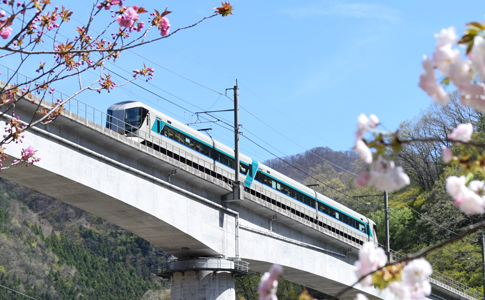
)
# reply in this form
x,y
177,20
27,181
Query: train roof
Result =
x,y
222,146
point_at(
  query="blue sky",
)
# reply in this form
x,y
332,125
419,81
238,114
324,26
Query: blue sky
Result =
x,y
306,69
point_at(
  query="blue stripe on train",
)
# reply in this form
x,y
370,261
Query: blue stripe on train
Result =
x,y
250,177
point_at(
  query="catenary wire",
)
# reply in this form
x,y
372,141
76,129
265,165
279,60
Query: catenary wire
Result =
x,y
17,292
210,89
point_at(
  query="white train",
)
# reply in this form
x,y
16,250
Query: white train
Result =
x,y
139,121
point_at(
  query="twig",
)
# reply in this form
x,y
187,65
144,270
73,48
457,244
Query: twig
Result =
x,y
472,228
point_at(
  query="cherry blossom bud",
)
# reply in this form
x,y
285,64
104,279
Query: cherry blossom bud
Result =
x,y
362,179
363,151
373,121
447,154
269,283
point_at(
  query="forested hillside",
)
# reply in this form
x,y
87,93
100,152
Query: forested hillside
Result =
x,y
50,250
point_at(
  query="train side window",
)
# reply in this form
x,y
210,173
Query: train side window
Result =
x,y
362,227
243,169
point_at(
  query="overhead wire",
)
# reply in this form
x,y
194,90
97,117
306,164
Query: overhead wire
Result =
x,y
220,94
254,116
12,290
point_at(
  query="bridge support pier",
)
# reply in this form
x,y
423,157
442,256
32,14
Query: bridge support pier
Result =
x,y
203,278
202,285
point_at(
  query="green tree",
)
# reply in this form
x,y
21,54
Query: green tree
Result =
x,y
402,231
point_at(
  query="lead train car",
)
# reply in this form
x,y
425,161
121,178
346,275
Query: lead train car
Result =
x,y
141,122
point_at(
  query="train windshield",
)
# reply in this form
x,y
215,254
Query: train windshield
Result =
x,y
134,118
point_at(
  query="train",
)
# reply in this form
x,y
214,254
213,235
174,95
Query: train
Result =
x,y
139,121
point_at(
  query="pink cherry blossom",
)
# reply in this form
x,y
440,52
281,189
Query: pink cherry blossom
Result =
x,y
164,27
140,26
359,296
443,57
414,282
473,95
269,283
2,13
447,154
370,259
468,199
416,271
477,56
386,176
446,37
427,81
364,151
462,133
460,73
455,186
399,289
5,32
420,290
473,203
28,152
128,18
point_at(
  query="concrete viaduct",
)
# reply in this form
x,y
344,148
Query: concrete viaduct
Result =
x,y
181,208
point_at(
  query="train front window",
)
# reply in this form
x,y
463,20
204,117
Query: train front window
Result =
x,y
109,118
134,117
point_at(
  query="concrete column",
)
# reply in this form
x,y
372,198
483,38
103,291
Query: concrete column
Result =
x,y
203,278
202,285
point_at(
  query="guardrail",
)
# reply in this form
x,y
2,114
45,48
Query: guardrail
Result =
x,y
100,118
446,282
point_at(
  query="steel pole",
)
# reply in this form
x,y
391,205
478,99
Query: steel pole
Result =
x,y
482,243
386,212
237,185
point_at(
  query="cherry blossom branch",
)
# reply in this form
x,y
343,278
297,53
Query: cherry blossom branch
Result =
x,y
432,140
471,229
112,49
24,28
